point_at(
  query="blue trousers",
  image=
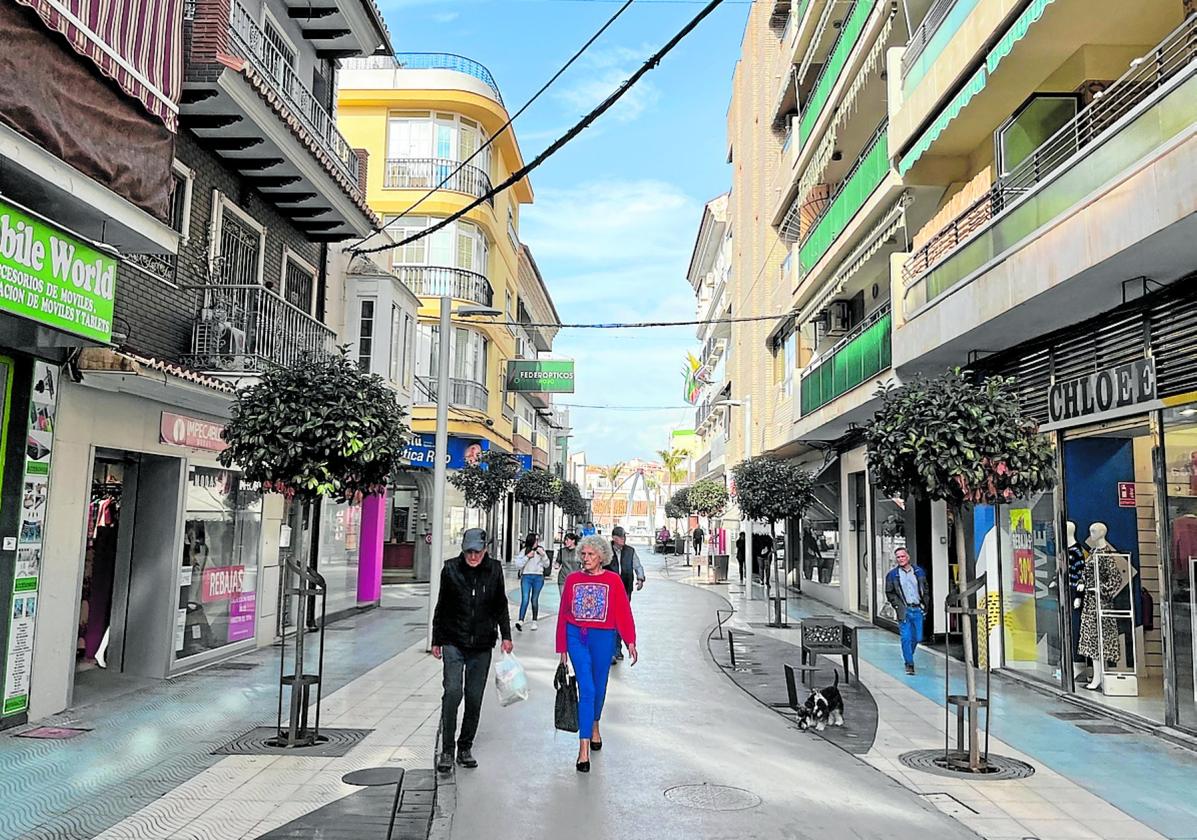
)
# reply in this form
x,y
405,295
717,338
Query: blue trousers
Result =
x,y
911,630
530,586
590,651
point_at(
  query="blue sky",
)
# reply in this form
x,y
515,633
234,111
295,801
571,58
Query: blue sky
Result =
x,y
617,210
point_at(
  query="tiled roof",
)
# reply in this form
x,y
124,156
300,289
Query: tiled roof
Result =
x,y
103,359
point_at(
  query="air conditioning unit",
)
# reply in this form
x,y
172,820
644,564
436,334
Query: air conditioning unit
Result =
x,y
837,318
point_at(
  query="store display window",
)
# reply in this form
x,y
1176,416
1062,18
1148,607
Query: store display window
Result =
x,y
1180,476
218,576
1028,610
340,549
893,521
820,532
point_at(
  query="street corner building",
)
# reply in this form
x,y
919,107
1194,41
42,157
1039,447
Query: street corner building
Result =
x,y
172,195
1006,187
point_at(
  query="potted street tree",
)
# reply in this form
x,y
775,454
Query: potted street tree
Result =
x,y
964,443
485,483
571,502
536,487
707,498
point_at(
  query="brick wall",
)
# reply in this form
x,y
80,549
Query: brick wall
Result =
x,y
157,316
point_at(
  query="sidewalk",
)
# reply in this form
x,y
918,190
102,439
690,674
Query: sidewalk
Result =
x,y
1112,783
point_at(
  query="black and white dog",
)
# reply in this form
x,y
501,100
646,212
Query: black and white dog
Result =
x,y
823,706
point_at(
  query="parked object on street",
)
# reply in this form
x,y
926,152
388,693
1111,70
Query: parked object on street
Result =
x,y
511,681
470,616
829,637
594,605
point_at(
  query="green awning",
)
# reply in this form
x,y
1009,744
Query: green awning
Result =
x,y
1015,33
952,110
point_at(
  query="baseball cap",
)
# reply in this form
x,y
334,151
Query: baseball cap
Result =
x,y
618,531
474,539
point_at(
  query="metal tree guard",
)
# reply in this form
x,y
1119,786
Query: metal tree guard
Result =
x,y
309,585
962,758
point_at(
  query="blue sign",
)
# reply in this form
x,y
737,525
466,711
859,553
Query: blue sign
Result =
x,y
525,462
421,451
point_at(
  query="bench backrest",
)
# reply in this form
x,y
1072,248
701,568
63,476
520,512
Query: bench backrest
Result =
x,y
826,634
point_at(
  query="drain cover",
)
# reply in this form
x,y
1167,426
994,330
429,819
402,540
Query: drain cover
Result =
x,y
1073,715
998,768
53,733
334,743
712,797
1103,729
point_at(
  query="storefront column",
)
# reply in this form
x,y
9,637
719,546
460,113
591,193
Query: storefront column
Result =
x,y
369,570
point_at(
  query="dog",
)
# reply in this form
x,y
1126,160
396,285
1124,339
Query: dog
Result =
x,y
823,706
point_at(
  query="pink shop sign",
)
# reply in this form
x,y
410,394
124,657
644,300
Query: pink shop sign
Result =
x,y
192,432
242,609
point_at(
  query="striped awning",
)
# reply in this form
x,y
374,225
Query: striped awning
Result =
x,y
952,110
137,45
1016,32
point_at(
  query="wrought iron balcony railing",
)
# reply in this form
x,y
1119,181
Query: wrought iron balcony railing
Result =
x,y
464,393
248,328
436,173
161,266
449,61
251,43
439,281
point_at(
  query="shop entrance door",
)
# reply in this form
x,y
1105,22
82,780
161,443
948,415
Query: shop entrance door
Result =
x,y
860,538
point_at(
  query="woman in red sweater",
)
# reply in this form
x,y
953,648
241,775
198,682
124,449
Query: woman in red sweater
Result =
x,y
594,605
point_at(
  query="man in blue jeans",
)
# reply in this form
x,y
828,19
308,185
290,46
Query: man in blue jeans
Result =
x,y
907,592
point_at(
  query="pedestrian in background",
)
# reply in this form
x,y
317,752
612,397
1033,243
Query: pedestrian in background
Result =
x,y
533,562
740,554
697,535
568,561
470,616
907,592
625,562
595,612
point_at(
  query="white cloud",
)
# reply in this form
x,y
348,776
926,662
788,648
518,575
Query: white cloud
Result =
x,y
602,72
446,17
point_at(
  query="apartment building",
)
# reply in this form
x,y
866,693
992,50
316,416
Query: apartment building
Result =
x,y
421,117
710,384
199,207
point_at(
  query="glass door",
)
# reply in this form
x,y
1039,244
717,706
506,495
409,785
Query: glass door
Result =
x,y
1180,478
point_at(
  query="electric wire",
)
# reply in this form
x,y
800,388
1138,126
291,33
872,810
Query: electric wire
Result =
x,y
650,64
490,140
641,325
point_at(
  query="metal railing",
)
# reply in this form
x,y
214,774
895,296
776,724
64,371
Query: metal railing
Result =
x,y
246,329
161,266
465,393
846,366
251,43
436,173
439,281
935,17
449,61
712,346
1147,75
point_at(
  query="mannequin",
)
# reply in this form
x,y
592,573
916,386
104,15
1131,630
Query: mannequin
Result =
x,y
1077,553
1098,643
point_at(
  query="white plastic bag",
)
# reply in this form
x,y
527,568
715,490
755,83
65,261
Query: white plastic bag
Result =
x,y
510,680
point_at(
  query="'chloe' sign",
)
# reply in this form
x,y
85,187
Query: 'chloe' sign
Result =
x,y
1114,389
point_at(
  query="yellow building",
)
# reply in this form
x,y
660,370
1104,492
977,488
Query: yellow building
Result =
x,y
418,116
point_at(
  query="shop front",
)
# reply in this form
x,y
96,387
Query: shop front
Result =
x,y
1092,584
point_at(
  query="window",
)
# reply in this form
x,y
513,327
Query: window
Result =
x,y
298,281
180,201
237,247
415,135
409,337
458,245
365,335
1030,126
511,234
785,360
396,345
468,354
281,52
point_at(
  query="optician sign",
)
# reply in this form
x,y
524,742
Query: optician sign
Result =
x,y
53,278
540,376
1103,395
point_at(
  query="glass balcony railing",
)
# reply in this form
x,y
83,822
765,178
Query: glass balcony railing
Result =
x,y
1105,137
862,353
865,176
854,23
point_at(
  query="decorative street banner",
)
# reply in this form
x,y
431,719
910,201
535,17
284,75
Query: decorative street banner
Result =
x,y
27,578
540,376
53,278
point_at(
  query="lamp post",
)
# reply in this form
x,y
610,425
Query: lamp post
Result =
x,y
440,467
746,524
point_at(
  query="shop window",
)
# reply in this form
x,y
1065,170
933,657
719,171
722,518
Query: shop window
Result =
x,y
820,542
1180,475
365,335
1030,126
340,546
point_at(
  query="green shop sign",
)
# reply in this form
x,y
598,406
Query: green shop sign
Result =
x,y
53,278
545,376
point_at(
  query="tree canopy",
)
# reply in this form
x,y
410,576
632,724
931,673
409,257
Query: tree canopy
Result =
x,y
570,500
488,481
952,439
323,428
678,506
537,487
771,490
707,497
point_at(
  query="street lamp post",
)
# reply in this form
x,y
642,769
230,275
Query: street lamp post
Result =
x,y
440,467
746,523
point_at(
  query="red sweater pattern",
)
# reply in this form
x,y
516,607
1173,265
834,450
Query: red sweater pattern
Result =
x,y
596,602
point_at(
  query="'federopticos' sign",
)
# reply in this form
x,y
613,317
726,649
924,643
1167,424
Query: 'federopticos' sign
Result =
x,y
1104,394
53,278
540,376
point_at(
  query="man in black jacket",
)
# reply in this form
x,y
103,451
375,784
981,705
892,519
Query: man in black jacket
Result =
x,y
472,602
625,562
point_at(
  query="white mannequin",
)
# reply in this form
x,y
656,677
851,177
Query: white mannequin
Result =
x,y
1070,529
1096,541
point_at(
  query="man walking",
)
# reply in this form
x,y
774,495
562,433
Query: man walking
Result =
x,y
625,563
471,604
698,535
906,590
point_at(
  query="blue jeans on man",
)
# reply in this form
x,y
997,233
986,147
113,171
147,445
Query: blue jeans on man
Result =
x,y
911,631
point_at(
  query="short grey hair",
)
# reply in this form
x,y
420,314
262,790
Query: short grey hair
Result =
x,y
598,544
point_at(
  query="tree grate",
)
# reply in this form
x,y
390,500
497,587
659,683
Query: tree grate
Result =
x,y
333,743
935,762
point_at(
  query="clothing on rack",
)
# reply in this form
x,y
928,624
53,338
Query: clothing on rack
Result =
x,y
1184,544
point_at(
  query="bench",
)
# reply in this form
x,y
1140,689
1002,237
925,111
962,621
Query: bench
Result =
x,y
826,636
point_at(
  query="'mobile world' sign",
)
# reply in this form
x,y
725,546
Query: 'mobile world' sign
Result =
x,y
53,278
1105,394
540,376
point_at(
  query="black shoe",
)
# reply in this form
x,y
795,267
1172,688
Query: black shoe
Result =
x,y
619,656
444,762
910,670
583,766
465,758
596,746
614,660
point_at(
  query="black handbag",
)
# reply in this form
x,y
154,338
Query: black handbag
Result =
x,y
565,711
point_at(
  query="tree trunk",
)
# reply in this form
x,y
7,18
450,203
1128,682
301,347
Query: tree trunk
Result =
x,y
963,579
314,558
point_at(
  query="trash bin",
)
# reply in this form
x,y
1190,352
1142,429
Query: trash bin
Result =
x,y
679,545
719,567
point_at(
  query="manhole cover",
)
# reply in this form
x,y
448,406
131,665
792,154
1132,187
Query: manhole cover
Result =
x,y
712,797
334,743
999,767
1074,715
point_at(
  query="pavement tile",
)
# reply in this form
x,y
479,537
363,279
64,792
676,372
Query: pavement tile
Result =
x,y
1060,830
997,828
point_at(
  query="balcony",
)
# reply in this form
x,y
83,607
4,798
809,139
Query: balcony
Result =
x,y
865,176
436,173
463,393
853,26
441,281
1140,111
159,266
246,329
449,61
861,354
